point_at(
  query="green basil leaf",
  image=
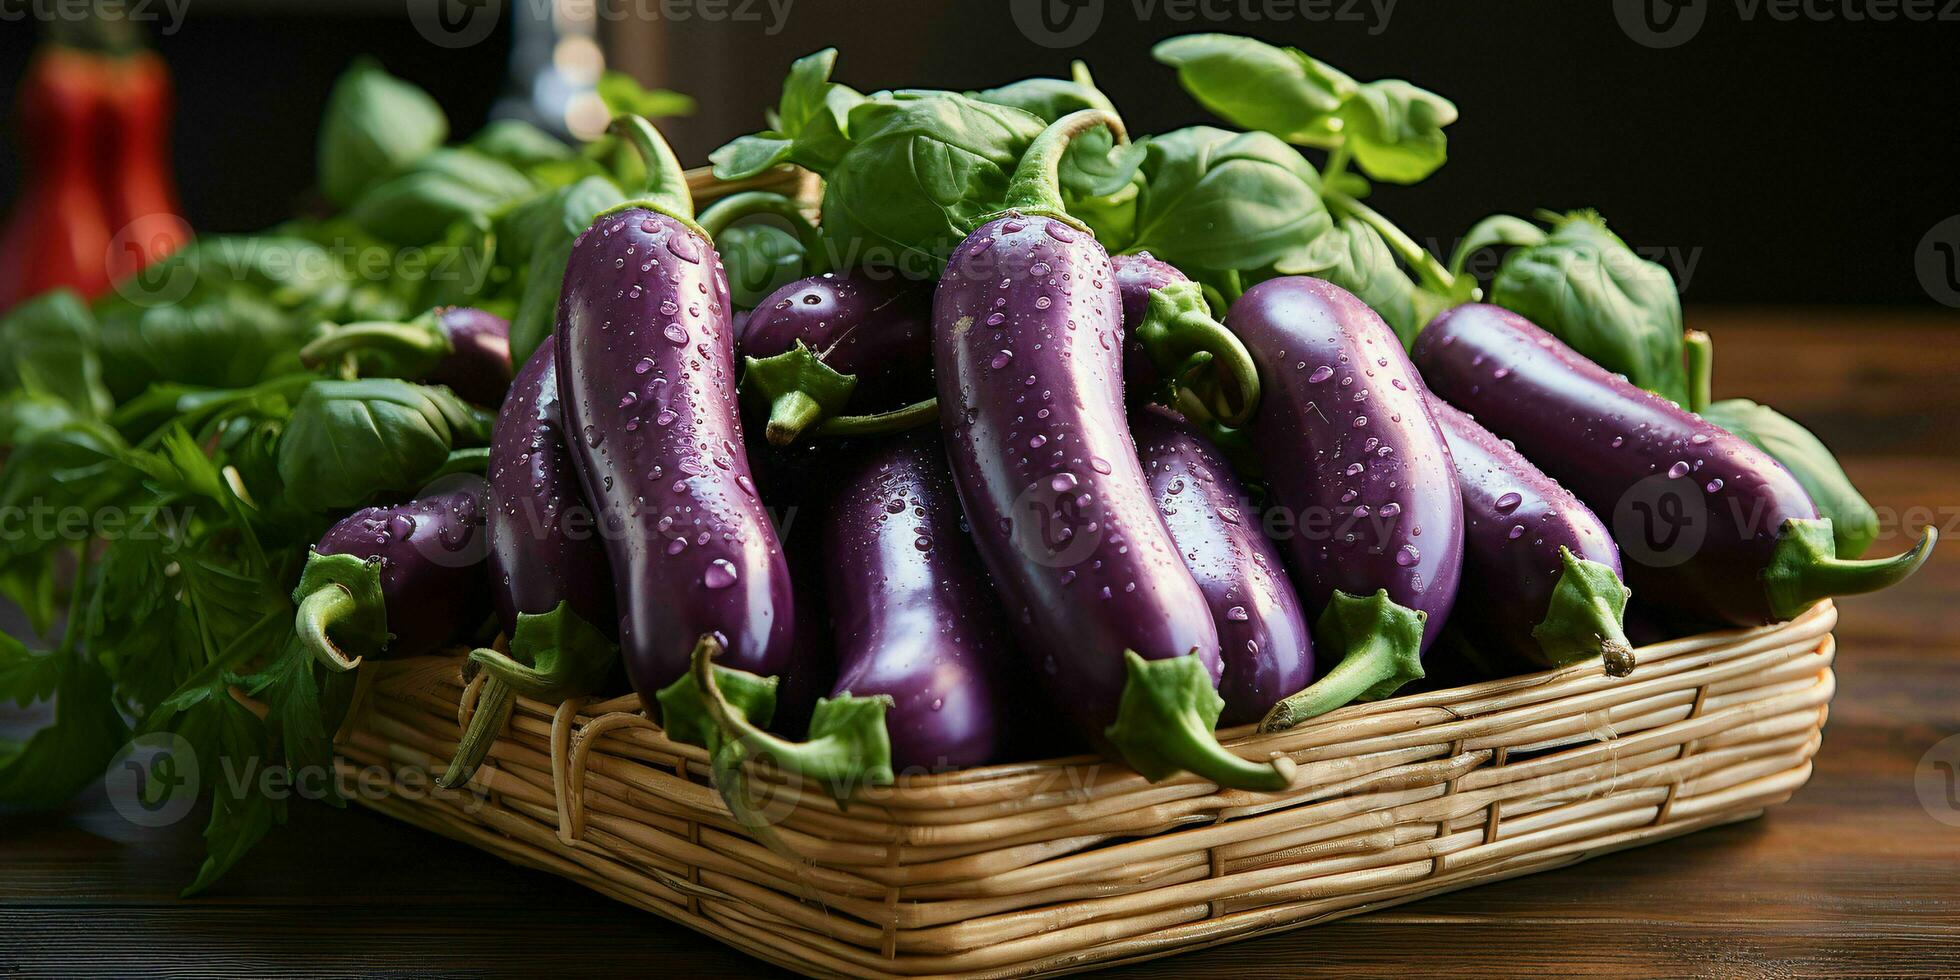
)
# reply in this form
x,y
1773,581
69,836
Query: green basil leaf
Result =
x,y
1099,181
924,169
1353,256
1496,230
1853,522
48,349
350,440
520,144
1216,199
624,95
375,125
1255,85
747,156
760,259
447,186
1590,290
63,758
1395,130
230,340
809,126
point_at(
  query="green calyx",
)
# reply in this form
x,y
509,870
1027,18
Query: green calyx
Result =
x,y
1198,354
912,416
408,349
1380,645
797,389
687,713
1165,721
1036,186
848,745
1586,617
723,214
553,656
1805,569
342,616
666,191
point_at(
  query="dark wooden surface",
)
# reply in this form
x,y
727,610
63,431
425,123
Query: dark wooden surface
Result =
x,y
1852,878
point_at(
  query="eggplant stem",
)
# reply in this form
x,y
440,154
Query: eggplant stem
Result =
x,y
790,415
723,214
1035,187
1196,352
396,339
494,703
1382,641
317,614
666,190
897,420
1700,349
1164,726
1805,568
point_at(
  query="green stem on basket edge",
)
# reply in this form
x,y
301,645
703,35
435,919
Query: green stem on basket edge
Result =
x,y
1380,643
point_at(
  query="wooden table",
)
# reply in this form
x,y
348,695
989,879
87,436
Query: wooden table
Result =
x,y
1853,877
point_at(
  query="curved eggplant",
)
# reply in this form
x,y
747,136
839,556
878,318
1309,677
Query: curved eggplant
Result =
x,y
396,581
837,341
1353,456
646,374
1028,345
1707,524
462,347
922,646
1541,577
1263,641
548,573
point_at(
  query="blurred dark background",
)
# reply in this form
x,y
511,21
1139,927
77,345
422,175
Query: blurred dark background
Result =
x,y
1765,160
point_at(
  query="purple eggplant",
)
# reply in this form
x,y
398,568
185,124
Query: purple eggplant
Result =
x,y
1541,577
646,377
922,646
459,346
1263,641
1174,351
1708,525
395,581
835,342
1355,460
1028,347
548,574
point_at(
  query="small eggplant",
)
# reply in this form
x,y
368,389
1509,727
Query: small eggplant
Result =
x,y
548,574
1174,351
1709,526
1541,577
835,342
396,581
924,662
646,377
1263,641
1028,347
1349,448
458,346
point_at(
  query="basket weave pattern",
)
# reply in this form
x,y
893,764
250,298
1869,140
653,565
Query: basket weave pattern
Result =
x,y
1049,867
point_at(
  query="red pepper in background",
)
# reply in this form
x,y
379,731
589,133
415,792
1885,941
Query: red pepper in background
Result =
x,y
135,174
97,201
59,232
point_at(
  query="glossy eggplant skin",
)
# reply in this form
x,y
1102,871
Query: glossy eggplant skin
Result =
x,y
914,615
646,378
1350,450
1663,477
544,548
429,553
1028,336
1515,520
874,326
478,365
1136,275
1264,644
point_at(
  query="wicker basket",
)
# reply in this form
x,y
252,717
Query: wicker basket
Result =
x,y
1051,867
1057,866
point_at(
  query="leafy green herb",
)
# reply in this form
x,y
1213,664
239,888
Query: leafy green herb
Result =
x,y
808,126
1214,199
536,239
350,440
48,349
1585,286
1853,522
375,125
